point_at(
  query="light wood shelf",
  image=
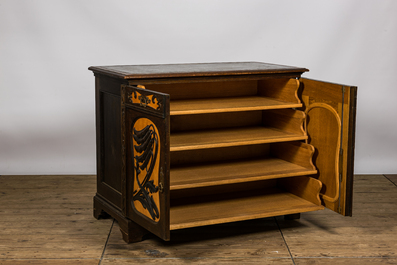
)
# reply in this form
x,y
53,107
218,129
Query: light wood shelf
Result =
x,y
225,208
191,140
232,104
234,172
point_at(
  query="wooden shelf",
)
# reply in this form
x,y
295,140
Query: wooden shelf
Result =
x,y
208,210
234,172
191,140
232,104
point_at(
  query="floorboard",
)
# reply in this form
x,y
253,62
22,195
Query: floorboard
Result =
x,y
370,233
48,220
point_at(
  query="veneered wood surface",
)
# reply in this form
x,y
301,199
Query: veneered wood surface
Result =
x,y
230,137
294,152
216,105
287,120
193,69
326,137
234,172
342,100
304,187
278,160
215,120
206,89
284,89
282,119
236,207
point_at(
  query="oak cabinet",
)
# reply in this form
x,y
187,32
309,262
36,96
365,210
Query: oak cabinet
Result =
x,y
186,145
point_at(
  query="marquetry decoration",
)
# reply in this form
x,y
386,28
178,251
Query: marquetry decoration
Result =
x,y
146,158
145,100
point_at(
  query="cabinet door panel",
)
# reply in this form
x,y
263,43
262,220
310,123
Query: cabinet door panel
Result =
x,y
145,141
330,125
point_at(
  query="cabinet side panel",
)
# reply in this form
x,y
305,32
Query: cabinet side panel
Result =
x,y
108,139
111,141
284,89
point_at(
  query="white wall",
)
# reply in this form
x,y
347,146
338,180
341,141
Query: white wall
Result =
x,y
47,94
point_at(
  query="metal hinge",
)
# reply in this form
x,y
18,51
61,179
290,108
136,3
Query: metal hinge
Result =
x,y
161,185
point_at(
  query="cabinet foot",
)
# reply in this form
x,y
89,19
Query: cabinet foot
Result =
x,y
292,216
130,231
99,212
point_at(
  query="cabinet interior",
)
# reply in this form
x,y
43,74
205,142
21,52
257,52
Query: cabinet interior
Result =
x,y
237,151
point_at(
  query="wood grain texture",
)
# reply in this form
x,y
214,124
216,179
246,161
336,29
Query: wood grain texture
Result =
x,y
206,156
210,121
287,120
304,187
48,220
370,234
342,100
345,261
217,105
209,210
207,89
51,261
220,260
192,140
294,152
50,217
283,160
326,137
392,178
234,172
248,241
284,89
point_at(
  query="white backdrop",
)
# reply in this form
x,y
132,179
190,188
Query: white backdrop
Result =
x,y
47,121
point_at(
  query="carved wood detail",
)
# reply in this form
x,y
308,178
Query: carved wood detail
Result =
x,y
326,123
146,155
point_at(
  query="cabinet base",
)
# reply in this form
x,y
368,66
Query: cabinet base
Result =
x,y
130,231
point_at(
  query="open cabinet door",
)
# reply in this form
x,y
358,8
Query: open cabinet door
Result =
x,y
145,148
330,125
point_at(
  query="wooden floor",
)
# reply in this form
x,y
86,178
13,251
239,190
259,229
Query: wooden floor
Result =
x,y
48,220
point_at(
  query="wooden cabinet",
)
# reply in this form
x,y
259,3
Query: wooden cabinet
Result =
x,y
188,145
